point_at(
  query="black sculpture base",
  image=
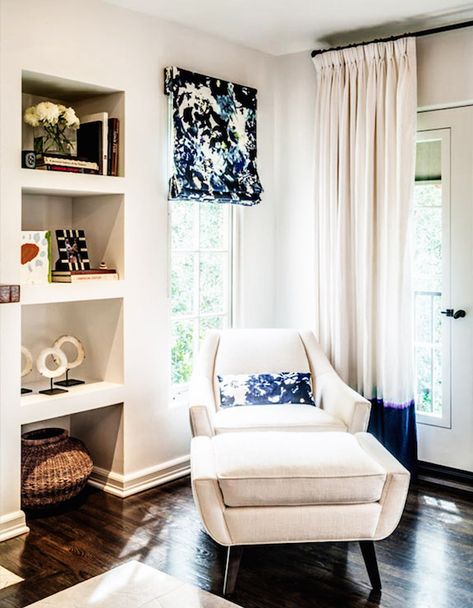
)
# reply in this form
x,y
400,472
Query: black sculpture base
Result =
x,y
69,381
51,390
24,391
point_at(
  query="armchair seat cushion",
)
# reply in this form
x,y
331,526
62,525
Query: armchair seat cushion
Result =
x,y
281,469
275,418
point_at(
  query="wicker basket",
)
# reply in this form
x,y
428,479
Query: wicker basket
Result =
x,y
54,467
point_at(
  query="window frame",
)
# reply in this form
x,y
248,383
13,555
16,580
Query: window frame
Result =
x,y
179,392
442,135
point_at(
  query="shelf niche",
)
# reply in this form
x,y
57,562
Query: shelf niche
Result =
x,y
97,324
100,216
100,430
83,97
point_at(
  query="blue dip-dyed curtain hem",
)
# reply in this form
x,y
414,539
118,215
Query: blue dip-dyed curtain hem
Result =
x,y
394,425
213,137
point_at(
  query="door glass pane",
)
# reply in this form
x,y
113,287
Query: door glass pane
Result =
x,y
427,277
437,381
424,379
428,239
423,318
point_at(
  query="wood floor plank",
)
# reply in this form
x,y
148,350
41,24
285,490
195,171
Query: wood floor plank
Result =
x,y
426,563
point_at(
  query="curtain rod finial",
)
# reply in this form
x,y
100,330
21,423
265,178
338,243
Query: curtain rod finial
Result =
x,y
320,45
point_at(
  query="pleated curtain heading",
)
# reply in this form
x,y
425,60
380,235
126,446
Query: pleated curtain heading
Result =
x,y
213,138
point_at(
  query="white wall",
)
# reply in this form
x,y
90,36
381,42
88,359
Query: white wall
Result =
x,y
444,69
98,43
295,224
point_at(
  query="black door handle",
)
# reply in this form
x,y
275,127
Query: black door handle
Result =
x,y
449,312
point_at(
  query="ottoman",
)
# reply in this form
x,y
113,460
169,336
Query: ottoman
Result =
x,y
277,487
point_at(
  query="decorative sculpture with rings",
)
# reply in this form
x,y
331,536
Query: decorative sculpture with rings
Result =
x,y
60,360
80,356
27,367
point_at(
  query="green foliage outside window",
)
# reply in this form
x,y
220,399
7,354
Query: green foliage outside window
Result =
x,y
199,279
427,278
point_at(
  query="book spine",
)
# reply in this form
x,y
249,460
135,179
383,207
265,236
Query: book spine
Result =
x,y
65,162
68,273
109,146
66,169
82,278
115,139
105,146
93,277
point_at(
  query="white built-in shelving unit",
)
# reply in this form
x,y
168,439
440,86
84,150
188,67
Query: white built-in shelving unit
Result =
x,y
82,398
92,311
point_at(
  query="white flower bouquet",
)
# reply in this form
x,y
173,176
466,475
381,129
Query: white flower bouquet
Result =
x,y
57,123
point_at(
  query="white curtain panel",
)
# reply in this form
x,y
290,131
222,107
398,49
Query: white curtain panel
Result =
x,y
365,147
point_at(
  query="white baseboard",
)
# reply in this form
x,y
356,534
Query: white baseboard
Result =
x,y
127,485
13,524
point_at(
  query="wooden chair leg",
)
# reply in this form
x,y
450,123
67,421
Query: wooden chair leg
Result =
x,y
371,563
232,565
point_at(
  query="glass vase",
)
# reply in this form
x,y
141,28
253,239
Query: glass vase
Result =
x,y
54,141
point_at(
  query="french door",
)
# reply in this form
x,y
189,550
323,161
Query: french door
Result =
x,y
443,286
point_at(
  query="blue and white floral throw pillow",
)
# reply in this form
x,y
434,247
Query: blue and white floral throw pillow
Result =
x,y
266,389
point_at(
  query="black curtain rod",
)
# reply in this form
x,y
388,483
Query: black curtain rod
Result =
x,y
433,30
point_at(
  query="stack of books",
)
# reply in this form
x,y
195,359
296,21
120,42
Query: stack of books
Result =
x,y
77,276
98,141
70,164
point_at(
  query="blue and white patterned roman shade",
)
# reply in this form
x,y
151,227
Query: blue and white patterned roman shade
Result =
x,y
213,139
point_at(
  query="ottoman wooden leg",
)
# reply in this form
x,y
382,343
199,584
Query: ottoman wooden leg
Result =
x,y
232,565
371,563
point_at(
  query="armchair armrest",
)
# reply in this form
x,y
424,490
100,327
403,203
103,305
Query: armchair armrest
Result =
x,y
201,406
206,490
395,489
332,394
338,399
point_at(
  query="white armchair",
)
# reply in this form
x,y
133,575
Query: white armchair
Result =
x,y
258,351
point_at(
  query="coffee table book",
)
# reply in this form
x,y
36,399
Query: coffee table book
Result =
x,y
76,276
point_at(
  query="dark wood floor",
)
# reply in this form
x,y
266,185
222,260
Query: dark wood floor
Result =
x,y
426,563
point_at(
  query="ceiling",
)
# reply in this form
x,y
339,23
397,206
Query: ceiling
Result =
x,y
288,26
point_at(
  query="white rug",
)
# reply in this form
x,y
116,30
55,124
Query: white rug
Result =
x,y
7,578
133,585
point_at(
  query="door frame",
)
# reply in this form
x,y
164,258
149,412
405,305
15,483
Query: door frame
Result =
x,y
443,135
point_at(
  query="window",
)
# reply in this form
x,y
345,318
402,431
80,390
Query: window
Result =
x,y
431,218
200,280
